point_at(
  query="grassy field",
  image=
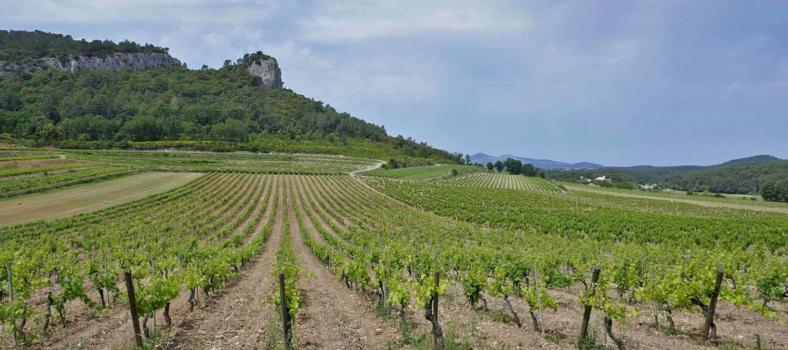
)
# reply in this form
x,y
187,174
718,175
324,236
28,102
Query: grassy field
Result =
x,y
424,173
728,202
88,197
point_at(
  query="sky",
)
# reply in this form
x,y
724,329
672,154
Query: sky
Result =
x,y
612,82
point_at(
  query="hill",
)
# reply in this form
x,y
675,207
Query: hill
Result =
x,y
57,91
742,176
546,164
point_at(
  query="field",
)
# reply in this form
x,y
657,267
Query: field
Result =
x,y
360,256
425,173
488,180
269,163
88,197
729,201
22,172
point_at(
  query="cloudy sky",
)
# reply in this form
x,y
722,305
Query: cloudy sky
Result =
x,y
615,82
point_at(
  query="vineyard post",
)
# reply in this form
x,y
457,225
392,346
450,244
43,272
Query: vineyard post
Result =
x,y
10,283
285,314
135,318
437,332
587,309
539,300
709,324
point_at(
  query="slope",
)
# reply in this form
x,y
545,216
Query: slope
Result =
x,y
109,104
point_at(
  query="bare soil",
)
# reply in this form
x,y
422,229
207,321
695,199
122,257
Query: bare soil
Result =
x,y
237,316
333,317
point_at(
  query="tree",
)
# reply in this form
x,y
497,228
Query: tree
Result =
x,y
775,191
528,170
490,166
513,166
230,130
142,128
467,159
498,166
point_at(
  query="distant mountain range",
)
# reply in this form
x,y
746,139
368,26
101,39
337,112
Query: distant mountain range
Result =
x,y
546,164
744,175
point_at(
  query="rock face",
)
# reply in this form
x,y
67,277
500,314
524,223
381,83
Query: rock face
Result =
x,y
268,72
115,61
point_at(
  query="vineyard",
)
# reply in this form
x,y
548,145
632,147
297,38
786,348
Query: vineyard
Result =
x,y
246,258
425,173
22,173
30,171
228,162
489,180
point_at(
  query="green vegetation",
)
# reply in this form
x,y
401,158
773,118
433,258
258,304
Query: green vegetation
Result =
x,y
489,243
18,46
596,216
776,191
425,173
29,171
728,200
221,109
88,197
742,176
515,167
493,180
451,228
195,237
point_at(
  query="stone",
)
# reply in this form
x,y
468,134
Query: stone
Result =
x,y
116,61
268,72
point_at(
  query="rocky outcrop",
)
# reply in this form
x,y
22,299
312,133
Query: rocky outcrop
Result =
x,y
117,61
266,72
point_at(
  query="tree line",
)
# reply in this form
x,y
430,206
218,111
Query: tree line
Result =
x,y
16,45
515,167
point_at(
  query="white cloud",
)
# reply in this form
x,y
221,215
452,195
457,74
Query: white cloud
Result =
x,y
342,21
140,11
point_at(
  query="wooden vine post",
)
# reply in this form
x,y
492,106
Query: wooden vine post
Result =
x,y
709,328
587,309
431,315
539,300
10,283
135,317
286,324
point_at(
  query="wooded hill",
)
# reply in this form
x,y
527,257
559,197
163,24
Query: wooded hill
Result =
x,y
743,176
208,109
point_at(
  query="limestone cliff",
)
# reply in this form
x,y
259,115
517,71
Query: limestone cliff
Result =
x,y
266,72
116,61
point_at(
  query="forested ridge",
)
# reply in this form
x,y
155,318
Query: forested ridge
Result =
x,y
18,45
213,109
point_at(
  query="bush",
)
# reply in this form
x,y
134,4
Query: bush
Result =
x,y
775,191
